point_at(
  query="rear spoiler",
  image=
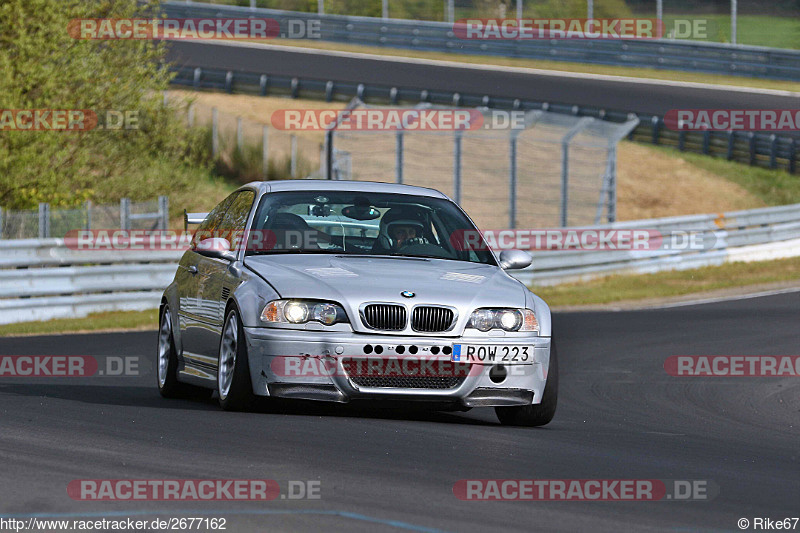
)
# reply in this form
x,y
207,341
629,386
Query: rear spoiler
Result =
x,y
192,218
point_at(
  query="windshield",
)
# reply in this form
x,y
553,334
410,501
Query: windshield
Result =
x,y
379,224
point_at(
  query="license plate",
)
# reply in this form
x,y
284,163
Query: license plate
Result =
x,y
491,353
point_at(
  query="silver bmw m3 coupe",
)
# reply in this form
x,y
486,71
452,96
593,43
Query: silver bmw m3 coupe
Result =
x,y
344,290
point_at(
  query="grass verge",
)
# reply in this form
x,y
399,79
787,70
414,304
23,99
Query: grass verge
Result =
x,y
108,321
773,187
620,288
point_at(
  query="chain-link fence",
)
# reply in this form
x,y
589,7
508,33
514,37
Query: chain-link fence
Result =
x,y
555,170
45,222
247,150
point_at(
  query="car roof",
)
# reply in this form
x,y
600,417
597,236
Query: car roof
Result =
x,y
343,185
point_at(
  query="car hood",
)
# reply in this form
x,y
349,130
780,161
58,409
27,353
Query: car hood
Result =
x,y
352,281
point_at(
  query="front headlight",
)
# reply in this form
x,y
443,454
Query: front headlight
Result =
x,y
302,311
505,319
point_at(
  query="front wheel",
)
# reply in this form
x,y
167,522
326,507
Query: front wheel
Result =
x,y
167,364
536,414
233,371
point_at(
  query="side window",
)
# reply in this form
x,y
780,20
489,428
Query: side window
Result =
x,y
209,227
235,219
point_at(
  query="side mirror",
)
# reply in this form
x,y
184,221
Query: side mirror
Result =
x,y
217,248
515,259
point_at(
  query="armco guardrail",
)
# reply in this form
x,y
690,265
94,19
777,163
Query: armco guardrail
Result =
x,y
759,149
752,235
715,58
41,279
62,282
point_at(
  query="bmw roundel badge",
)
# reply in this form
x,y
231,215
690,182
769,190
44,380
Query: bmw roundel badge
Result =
x,y
407,294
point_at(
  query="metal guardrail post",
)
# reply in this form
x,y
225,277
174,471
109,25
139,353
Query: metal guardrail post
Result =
x,y
656,125
198,74
320,7
190,115
457,167
163,213
44,220
731,145
773,151
239,134
398,157
512,179
229,82
125,213
263,84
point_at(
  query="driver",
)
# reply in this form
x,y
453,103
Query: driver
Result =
x,y
400,227
405,233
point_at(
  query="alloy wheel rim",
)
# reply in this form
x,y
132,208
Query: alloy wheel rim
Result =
x,y
227,355
164,346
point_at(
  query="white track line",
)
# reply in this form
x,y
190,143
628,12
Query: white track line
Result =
x,y
727,298
501,68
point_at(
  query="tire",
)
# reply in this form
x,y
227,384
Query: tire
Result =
x,y
167,364
233,371
536,414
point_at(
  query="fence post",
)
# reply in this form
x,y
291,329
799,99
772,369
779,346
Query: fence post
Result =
x,y
565,140
612,184
125,213
88,214
512,178
1,222
265,152
564,181
792,155
329,155
320,7
293,163
239,135
398,159
457,167
214,132
44,220
163,212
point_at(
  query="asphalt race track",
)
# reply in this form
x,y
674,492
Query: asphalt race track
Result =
x,y
640,96
620,417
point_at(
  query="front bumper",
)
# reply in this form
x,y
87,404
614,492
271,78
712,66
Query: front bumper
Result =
x,y
318,371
